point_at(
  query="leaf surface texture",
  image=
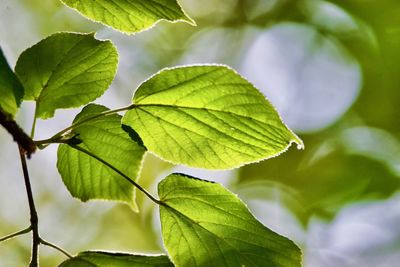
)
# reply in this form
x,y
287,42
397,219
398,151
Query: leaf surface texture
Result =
x,y
208,117
106,259
87,178
11,90
203,224
66,70
129,16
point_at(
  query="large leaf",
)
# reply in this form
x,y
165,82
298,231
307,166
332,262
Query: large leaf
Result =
x,y
208,117
203,224
86,177
66,70
129,16
11,90
106,259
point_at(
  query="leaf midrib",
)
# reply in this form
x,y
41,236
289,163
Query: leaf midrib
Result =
x,y
205,229
138,105
62,58
203,136
231,137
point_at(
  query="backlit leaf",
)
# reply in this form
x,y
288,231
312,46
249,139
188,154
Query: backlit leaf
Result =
x,y
129,16
87,178
106,259
11,90
66,70
208,117
203,224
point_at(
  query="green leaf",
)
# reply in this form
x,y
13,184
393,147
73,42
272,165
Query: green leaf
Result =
x,y
130,16
87,178
203,224
66,70
106,259
208,117
11,90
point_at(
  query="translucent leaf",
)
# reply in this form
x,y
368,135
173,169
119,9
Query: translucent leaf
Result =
x,y
11,90
87,178
203,224
129,16
208,117
106,259
66,70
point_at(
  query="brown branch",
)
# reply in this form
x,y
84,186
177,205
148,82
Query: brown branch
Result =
x,y
34,217
24,141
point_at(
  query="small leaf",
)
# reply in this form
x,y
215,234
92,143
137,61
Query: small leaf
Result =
x,y
106,259
208,117
129,16
11,90
203,224
87,178
66,70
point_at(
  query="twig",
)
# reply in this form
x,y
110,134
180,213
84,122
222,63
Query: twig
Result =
x,y
46,243
23,140
22,232
33,213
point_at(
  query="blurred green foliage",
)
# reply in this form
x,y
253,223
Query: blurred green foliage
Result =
x,y
327,176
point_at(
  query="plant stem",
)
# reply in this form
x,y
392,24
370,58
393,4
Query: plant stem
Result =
x,y
34,217
119,172
46,243
55,138
34,123
25,231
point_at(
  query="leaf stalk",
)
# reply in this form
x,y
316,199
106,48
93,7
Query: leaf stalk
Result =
x,y
47,243
119,172
59,136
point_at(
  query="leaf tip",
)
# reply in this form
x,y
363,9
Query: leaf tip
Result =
x,y
300,146
299,143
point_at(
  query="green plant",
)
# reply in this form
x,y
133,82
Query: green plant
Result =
x,y
204,116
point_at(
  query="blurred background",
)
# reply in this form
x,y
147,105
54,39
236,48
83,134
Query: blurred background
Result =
x,y
332,70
